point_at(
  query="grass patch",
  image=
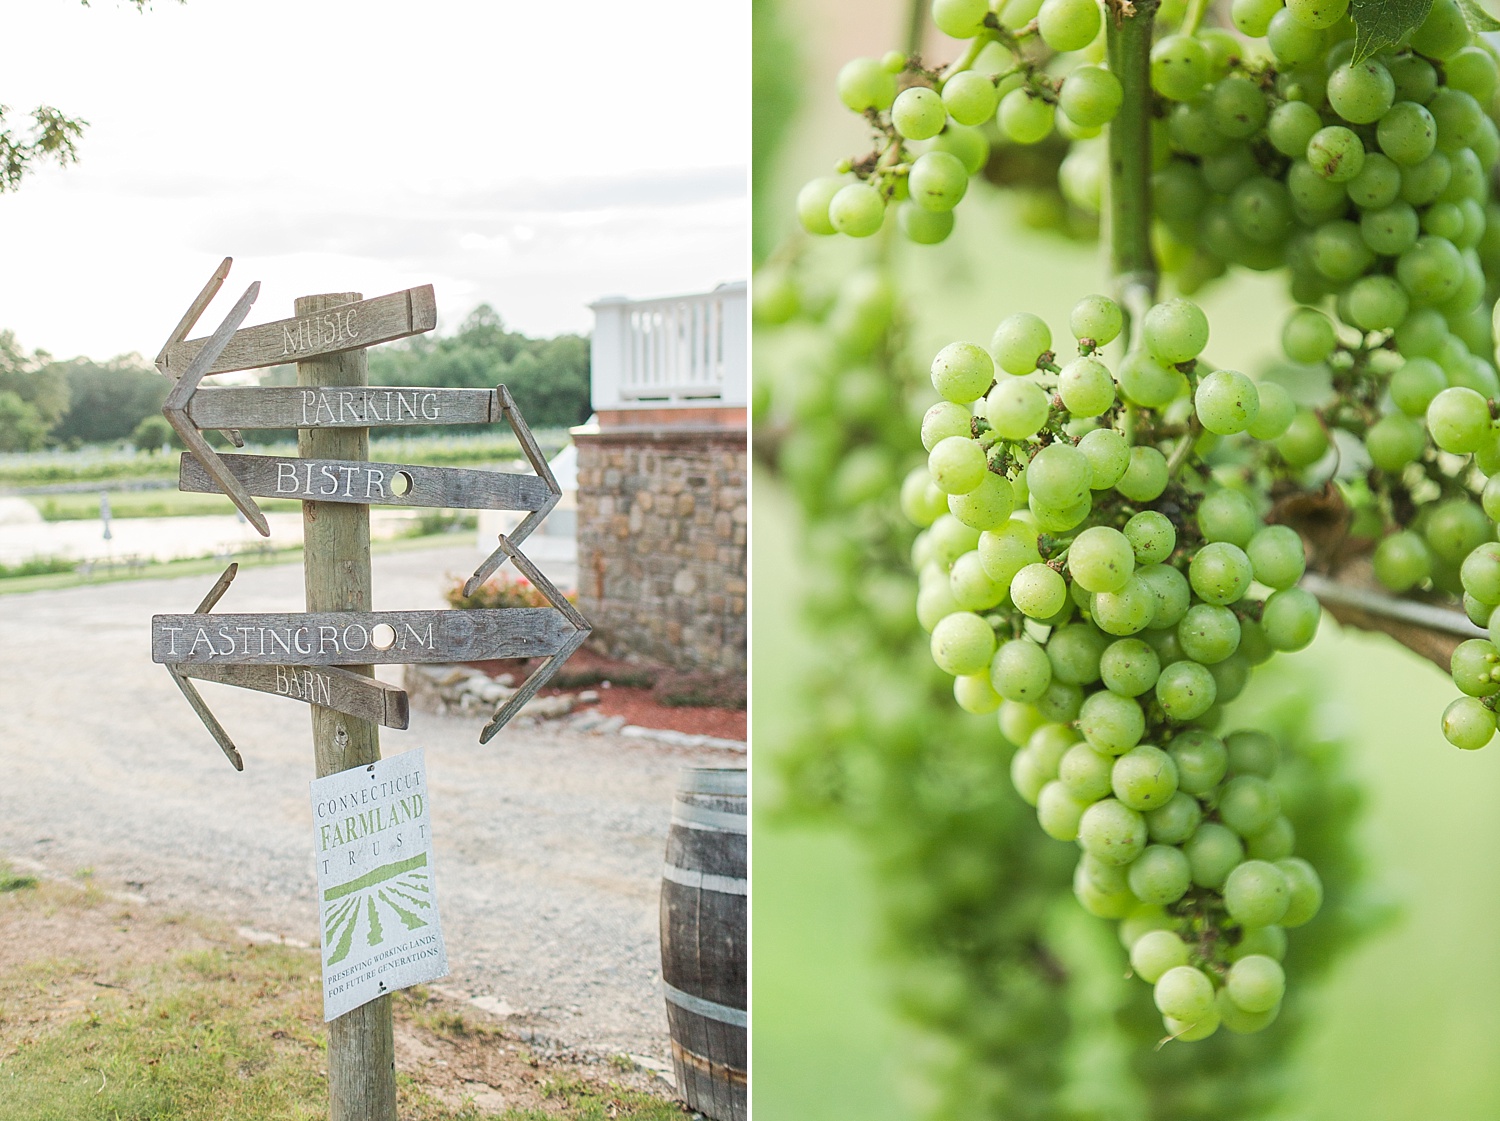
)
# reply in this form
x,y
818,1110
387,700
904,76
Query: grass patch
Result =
x,y
40,566
163,503
582,1101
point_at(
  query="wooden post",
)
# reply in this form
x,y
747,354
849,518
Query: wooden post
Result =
x,y
336,568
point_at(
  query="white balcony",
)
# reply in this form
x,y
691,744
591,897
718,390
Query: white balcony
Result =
x,y
680,352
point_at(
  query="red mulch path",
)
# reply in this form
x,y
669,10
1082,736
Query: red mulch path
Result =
x,y
634,702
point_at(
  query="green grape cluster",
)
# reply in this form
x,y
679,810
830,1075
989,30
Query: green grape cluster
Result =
x,y
1031,67
1083,575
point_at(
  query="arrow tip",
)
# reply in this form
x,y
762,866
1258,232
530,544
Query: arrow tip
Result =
x,y
223,270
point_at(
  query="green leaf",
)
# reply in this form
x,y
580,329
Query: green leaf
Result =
x,y
1477,18
1382,23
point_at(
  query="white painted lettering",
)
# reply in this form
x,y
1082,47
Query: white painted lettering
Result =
x,y
172,633
326,635
429,401
286,473
374,481
364,638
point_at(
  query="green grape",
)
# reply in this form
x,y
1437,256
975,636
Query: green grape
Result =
x,y
1317,13
1226,402
1104,903
893,61
1186,994
1111,832
1007,550
1473,71
1474,668
1273,843
1213,852
1090,96
1025,116
1481,574
1422,183
1075,652
1148,382
1362,93
967,145
1468,724
1336,153
857,210
1100,559
1394,441
1160,875
972,588
1402,561
1317,198
987,506
1491,497
1146,477
1097,318
1151,536
1086,387
1224,51
1291,126
962,373
1234,1018
1255,983
1431,270
1459,119
813,201
1019,342
1256,893
962,644
1185,690
1267,940
1018,722
1020,670
1179,66
1376,303
1142,919
1086,773
1172,593
1305,440
1191,128
1176,331
1130,667
961,19
969,98
1111,723
1392,230
937,180
1201,759
1058,475
957,464
1276,555
1290,619
1444,220
1423,334
974,694
1262,210
1209,634
864,84
1238,107
951,539
1069,25
924,227
1459,420
1230,677
934,604
1026,775
1185,1031
1128,611
1308,336
919,113
1253,17
1220,573
1378,183
1293,42
1058,811
1108,455
1306,890
1414,76
1339,252
1038,592
1175,821
1227,515
921,502
1016,408
1276,411
1155,952
1144,778
1248,804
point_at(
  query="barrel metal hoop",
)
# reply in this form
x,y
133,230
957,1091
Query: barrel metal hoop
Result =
x,y
708,881
734,1017
695,817
729,780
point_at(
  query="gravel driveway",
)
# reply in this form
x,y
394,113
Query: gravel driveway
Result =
x,y
549,842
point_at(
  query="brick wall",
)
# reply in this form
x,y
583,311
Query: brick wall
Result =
x,y
662,521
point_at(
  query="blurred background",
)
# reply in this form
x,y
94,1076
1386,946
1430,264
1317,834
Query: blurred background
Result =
x,y
892,891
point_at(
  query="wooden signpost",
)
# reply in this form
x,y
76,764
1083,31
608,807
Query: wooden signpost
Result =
x,y
324,657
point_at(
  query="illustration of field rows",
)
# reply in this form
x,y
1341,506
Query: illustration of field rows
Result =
x,y
392,892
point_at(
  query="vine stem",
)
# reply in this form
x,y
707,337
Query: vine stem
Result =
x,y
1132,261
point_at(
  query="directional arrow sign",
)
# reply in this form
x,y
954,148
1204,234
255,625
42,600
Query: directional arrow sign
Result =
x,y
356,407
347,692
365,483
346,327
335,638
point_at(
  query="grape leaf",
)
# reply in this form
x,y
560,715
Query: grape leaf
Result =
x,y
1381,23
1477,18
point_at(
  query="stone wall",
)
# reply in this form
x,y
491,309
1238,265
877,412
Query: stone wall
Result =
x,y
662,529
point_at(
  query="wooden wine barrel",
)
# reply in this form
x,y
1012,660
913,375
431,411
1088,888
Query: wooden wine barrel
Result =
x,y
704,941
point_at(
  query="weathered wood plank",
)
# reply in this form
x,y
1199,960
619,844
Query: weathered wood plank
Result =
x,y
210,722
328,331
330,686
186,324
344,638
364,483
284,406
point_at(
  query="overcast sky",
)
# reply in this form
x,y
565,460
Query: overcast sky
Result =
x,y
533,155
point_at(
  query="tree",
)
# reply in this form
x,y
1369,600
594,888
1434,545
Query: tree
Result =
x,y
107,400
21,426
32,380
153,434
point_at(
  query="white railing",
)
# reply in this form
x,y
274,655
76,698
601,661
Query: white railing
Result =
x,y
680,352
